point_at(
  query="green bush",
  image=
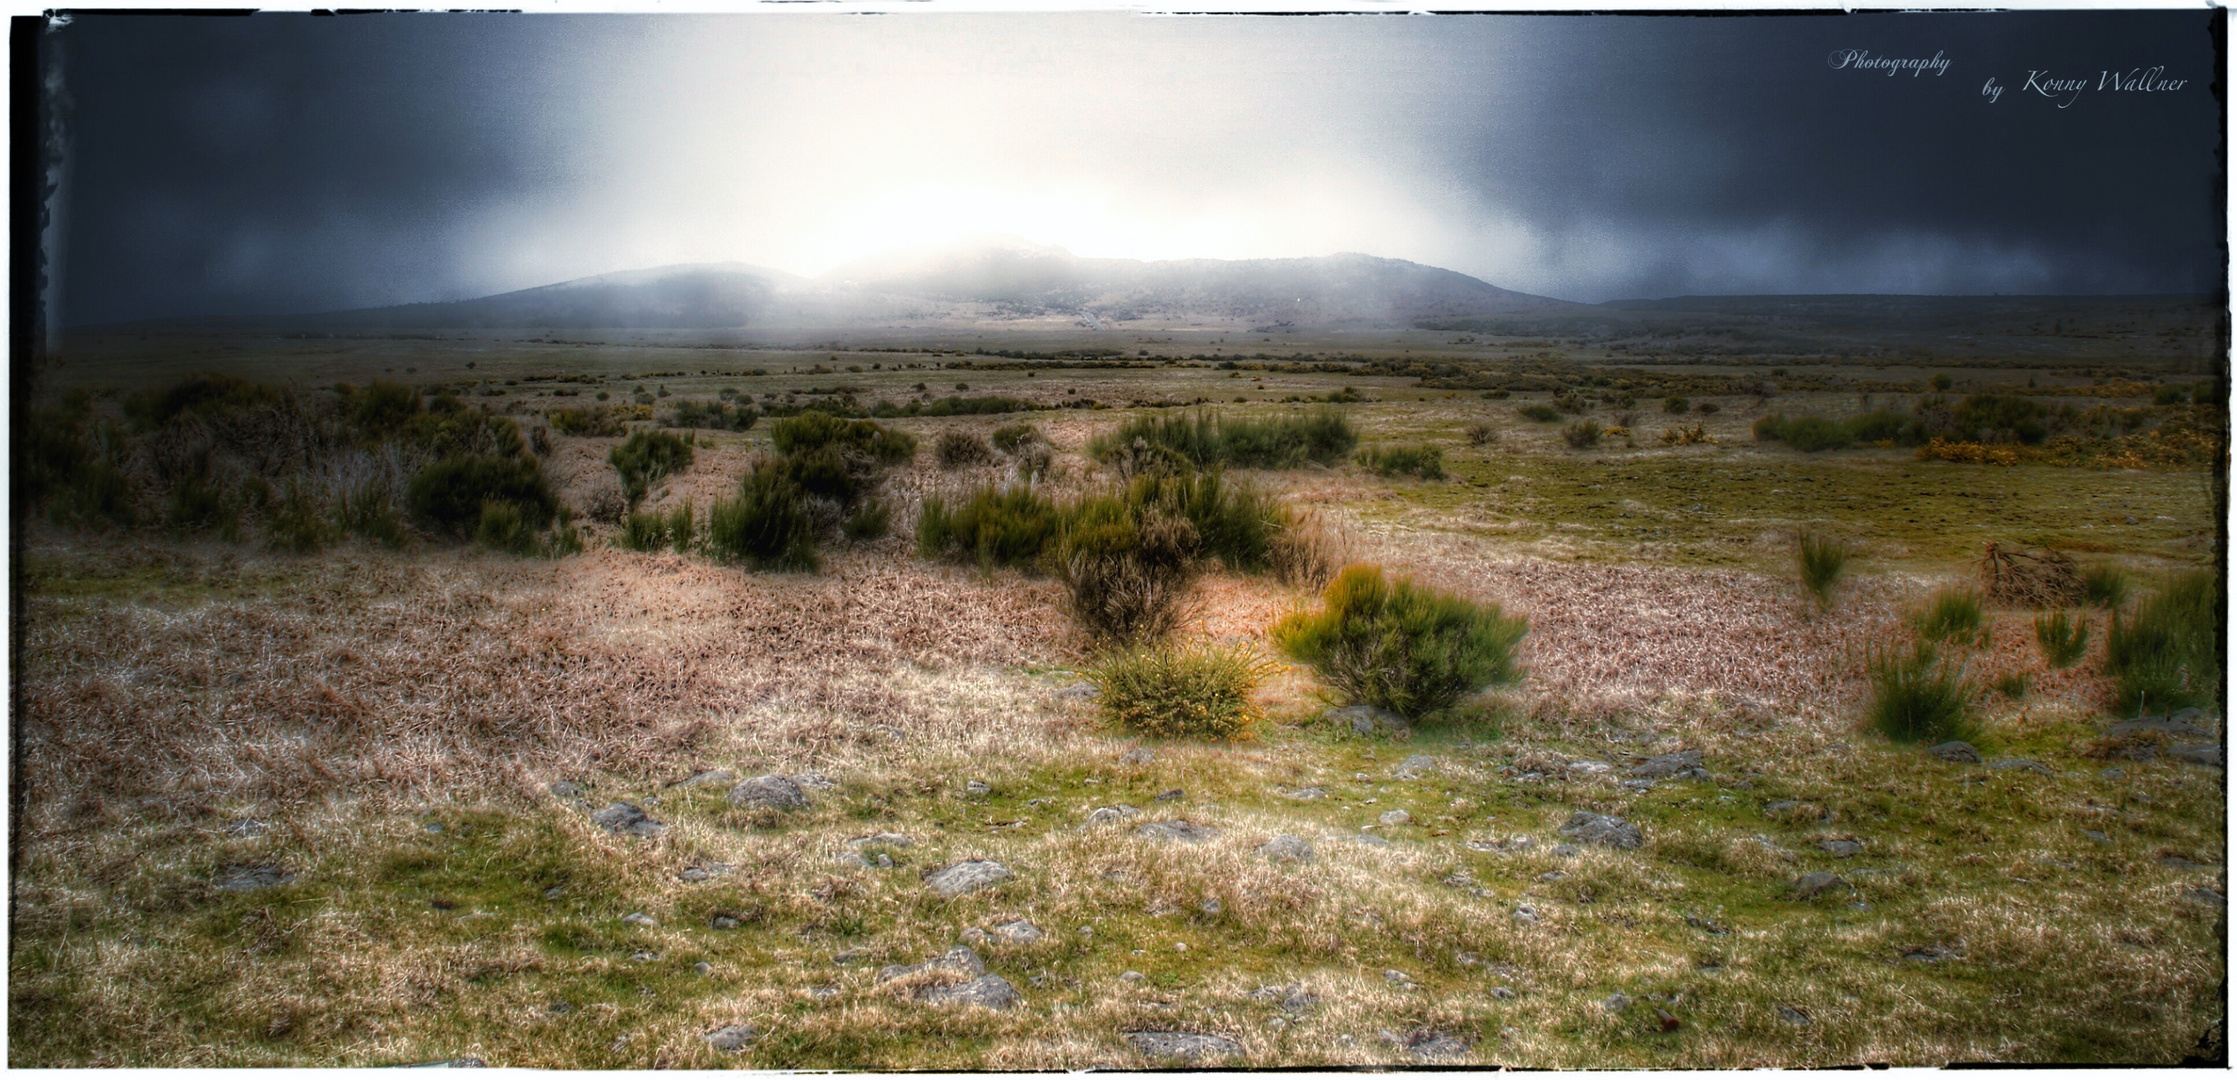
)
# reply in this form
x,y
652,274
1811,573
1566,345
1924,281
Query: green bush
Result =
x,y
682,528
1821,560
768,526
1675,405
2168,655
1009,438
990,527
644,530
870,521
2104,586
2062,637
1424,462
1808,434
1163,692
1400,646
1581,435
1919,697
646,459
1544,414
383,408
508,527
369,512
298,524
195,505
448,495
598,421
1210,439
714,415
1128,564
961,449
1952,617
212,393
815,430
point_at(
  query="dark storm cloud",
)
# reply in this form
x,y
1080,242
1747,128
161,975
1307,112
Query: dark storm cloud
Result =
x,y
288,163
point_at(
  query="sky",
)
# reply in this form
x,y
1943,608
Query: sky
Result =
x,y
292,163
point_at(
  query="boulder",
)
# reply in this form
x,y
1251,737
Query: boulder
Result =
x,y
1589,828
1413,767
627,819
1956,752
731,1038
1810,885
1369,720
1287,848
1182,1045
2196,753
708,778
1176,829
959,961
1841,849
967,876
2021,763
1018,932
237,878
769,792
1662,765
986,991
1111,815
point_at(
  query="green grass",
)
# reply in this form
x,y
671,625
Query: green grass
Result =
x,y
1400,646
1419,462
2167,655
2063,637
1820,559
1952,617
767,526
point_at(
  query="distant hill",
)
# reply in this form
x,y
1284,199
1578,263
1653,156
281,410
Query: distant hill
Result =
x,y
984,280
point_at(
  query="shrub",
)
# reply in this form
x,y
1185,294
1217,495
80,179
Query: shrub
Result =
x,y
682,527
1875,427
296,523
1919,697
768,526
506,526
196,504
448,495
1010,438
368,511
1180,693
991,527
646,459
598,421
1480,434
1544,414
1400,646
1706,408
644,530
1675,405
1581,435
960,449
1808,434
209,393
1127,565
870,521
2062,637
1952,617
1684,435
716,415
1821,560
1303,551
1425,462
1209,439
2104,586
2168,655
816,430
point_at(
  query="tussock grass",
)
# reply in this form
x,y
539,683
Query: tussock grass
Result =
x,y
1952,617
1821,559
1400,646
1918,695
2104,586
2168,654
1420,462
2063,637
768,526
1174,692
989,527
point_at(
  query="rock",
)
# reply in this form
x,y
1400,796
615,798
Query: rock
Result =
x,y
731,1038
883,839
2148,726
1808,886
2196,753
1140,755
1287,848
1397,978
1956,752
1662,765
707,778
852,860
1590,828
1434,1045
986,992
1395,817
567,790
1293,998
1706,926
1636,785
1304,794
1567,851
2097,836
450,1063
1526,912
2112,774
1780,807
1591,768
703,968
1211,906
2021,763
1413,767
1077,692
1111,815
721,921
627,819
2206,896
239,878
1794,1016
1930,954
1503,993
1018,932
1183,1045
1174,795
969,875
1132,976
1841,849
696,874
639,918
814,781
1369,720
977,787
1617,1003
1553,875
956,961
1176,829
769,792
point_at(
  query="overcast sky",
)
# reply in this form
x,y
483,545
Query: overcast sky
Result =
x,y
282,163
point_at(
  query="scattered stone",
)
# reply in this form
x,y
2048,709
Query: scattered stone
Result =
x,y
1808,886
2177,862
239,878
956,961
1369,720
1174,795
1930,954
1794,1016
1956,752
1140,755
1077,692
1526,912
1413,767
1176,829
1706,926
2021,763
1397,978
1019,932
703,968
1434,1045
1304,794
1591,768
1211,906
1780,807
696,874
969,875
852,860
2196,753
1617,1003
628,819
986,991
731,1038
2114,773
1108,815
1292,998
1553,875
1663,765
1567,851
1590,828
1131,976
2097,836
1395,817
722,921
1184,1045
639,918
814,781
1841,849
644,956
1636,785
977,787
769,792
2205,895
823,993
2149,726
1287,848
707,778
566,789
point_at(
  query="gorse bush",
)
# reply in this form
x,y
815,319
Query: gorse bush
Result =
x,y
815,430
1581,435
1165,692
1952,617
1010,438
1821,559
597,421
990,527
1544,414
768,526
1400,646
715,415
1423,462
870,521
2168,654
1210,439
1128,567
2104,587
646,459
961,449
644,530
449,496
1808,434
2063,638
1917,696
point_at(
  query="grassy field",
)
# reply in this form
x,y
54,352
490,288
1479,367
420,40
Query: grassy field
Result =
x,y
363,743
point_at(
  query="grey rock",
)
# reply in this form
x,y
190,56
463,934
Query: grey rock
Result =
x,y
986,992
731,1038
1617,1003
1182,1045
1211,906
769,792
1930,954
1526,912
703,968
1413,767
1370,840
1589,828
2196,753
720,921
1503,993
1395,817
1956,752
1636,785
960,960
814,781
1292,998
1776,808
239,878
1140,755
696,874
1567,851
882,839
1018,932
969,875
1808,886
1591,768
1662,765
2206,896
1174,795
567,789
852,860
1176,829
644,956
1111,815
639,918
1794,1016
2097,836
1077,692
1287,848
1305,794
2114,773
977,787
707,778
1132,976
1552,876
1397,978
627,819
1435,1045
2021,763
1369,720
2154,725
1841,849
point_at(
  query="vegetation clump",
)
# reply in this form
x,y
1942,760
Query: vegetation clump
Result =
x,y
961,449
1821,559
2168,654
1952,617
1172,692
1400,646
990,527
1128,560
1544,414
1919,696
714,415
1421,462
767,526
2063,638
1582,435
646,459
1210,440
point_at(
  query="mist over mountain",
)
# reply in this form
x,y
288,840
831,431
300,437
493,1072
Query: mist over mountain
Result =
x,y
986,279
